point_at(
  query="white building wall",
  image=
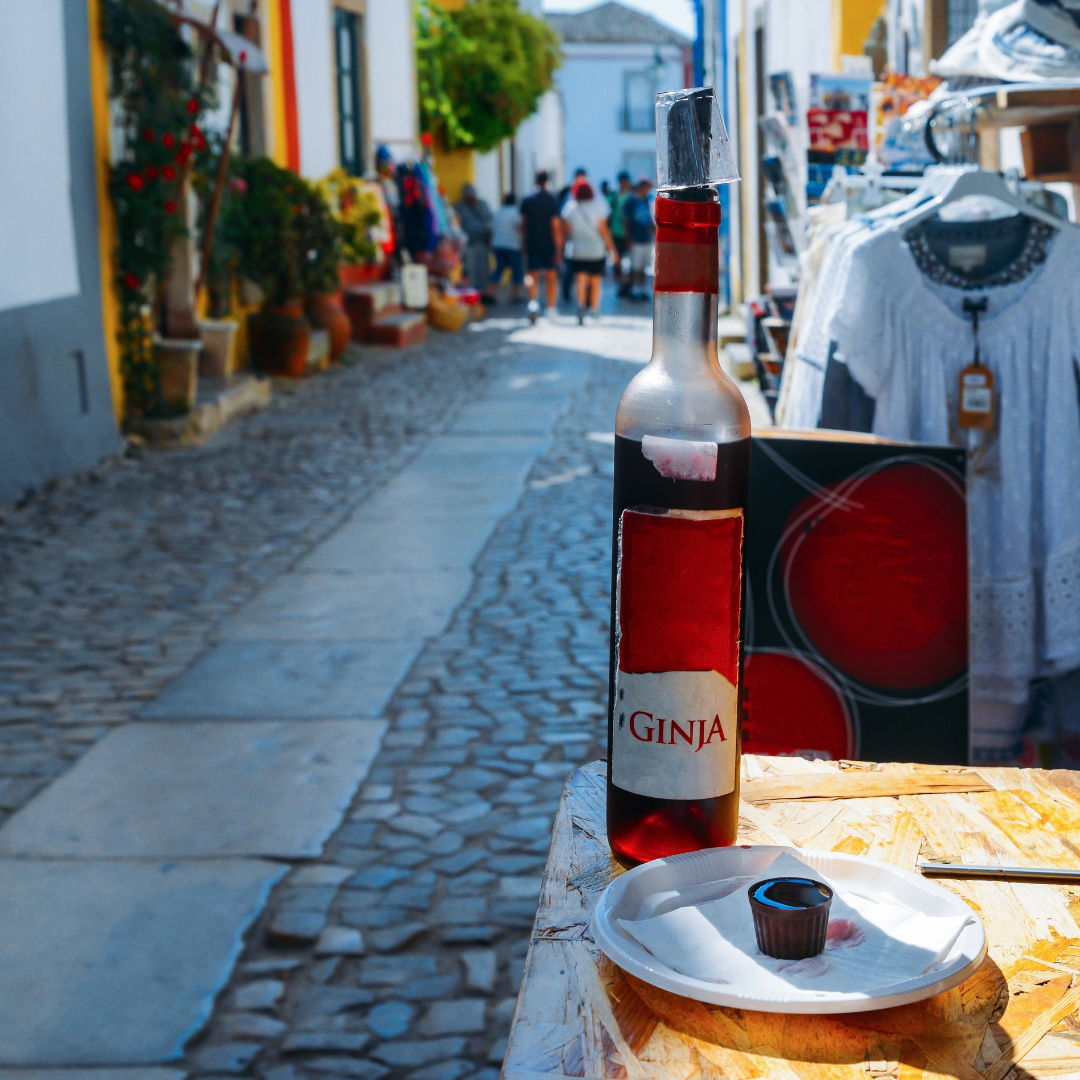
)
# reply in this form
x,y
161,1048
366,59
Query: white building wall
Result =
x,y
391,77
798,38
313,57
538,145
591,88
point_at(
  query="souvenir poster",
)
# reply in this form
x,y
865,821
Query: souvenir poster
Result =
x,y
838,113
856,608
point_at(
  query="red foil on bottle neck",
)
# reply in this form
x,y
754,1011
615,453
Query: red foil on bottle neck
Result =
x,y
687,246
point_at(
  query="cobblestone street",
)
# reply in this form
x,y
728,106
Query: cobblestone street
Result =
x,y
399,950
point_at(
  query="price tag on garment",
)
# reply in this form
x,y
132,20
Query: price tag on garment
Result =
x,y
976,397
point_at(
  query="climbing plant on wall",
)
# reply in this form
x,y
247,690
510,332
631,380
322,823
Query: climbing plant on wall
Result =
x,y
158,104
481,69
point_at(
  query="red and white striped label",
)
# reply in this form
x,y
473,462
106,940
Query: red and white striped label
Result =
x,y
675,730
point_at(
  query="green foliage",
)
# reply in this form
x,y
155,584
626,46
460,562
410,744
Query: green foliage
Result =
x,y
357,210
285,238
157,107
482,70
320,244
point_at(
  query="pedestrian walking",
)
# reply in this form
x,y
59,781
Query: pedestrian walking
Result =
x,y
617,224
637,215
506,244
543,244
567,193
585,217
477,223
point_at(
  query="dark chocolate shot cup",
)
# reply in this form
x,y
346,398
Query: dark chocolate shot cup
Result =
x,y
791,916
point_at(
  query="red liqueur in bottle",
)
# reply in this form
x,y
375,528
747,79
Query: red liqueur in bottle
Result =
x,y
682,458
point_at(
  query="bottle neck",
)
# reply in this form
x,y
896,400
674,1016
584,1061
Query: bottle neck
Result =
x,y
684,332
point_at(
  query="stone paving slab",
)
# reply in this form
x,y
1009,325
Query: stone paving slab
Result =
x,y
106,962
509,416
363,544
404,606
149,1073
189,790
291,679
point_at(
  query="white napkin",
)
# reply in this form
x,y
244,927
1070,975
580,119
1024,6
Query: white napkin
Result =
x,y
871,944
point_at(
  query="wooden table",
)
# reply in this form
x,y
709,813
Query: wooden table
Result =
x,y
579,1015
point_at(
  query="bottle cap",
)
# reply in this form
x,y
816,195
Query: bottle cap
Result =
x,y
692,144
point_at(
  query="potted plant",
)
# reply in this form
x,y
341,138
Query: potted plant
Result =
x,y
158,101
261,223
320,243
358,209
218,331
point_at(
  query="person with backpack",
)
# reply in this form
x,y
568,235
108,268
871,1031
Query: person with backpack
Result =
x,y
639,224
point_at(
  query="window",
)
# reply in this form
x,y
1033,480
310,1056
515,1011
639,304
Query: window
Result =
x,y
252,129
639,109
347,40
962,14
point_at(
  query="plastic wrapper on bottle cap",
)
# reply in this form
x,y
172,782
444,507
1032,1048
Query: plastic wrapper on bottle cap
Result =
x,y
692,144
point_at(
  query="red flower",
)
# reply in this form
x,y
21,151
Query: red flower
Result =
x,y
168,141
238,184
183,155
170,206
130,281
168,172
135,182
148,134
425,138
192,106
151,172
200,141
193,131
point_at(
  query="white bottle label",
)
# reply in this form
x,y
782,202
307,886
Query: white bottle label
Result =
x,y
674,734
676,710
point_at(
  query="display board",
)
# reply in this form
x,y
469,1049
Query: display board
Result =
x,y
857,600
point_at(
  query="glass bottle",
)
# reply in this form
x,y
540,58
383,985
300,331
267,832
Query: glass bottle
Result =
x,y
682,457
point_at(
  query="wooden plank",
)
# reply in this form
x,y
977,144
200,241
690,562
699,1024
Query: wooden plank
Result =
x,y
861,785
580,1016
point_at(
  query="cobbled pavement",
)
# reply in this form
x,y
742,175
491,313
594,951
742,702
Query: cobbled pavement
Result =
x,y
423,901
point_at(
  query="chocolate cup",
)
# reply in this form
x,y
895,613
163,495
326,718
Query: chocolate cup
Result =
x,y
791,916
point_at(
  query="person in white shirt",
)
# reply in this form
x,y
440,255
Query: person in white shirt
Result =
x,y
585,218
506,244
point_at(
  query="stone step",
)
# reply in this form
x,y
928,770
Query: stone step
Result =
x,y
318,354
399,329
218,401
366,303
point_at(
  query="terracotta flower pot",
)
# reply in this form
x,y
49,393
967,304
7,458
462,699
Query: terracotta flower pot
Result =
x,y
178,374
218,359
279,338
364,274
326,313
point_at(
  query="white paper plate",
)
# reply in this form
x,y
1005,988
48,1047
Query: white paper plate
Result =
x,y
665,884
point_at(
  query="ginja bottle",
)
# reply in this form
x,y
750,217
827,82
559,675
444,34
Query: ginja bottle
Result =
x,y
682,466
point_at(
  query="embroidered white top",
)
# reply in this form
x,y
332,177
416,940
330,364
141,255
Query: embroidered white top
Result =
x,y
905,339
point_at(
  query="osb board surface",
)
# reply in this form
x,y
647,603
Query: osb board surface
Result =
x,y
580,1016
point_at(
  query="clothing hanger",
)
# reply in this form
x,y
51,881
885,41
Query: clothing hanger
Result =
x,y
949,183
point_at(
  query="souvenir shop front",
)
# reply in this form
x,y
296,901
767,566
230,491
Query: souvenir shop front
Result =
x,y
937,311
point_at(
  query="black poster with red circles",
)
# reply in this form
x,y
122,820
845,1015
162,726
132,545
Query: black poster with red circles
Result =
x,y
856,609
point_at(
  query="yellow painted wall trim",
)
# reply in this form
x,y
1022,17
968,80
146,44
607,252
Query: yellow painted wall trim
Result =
x,y
453,169
110,299
279,144
851,23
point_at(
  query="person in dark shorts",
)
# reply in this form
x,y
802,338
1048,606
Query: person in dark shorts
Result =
x,y
585,217
543,244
